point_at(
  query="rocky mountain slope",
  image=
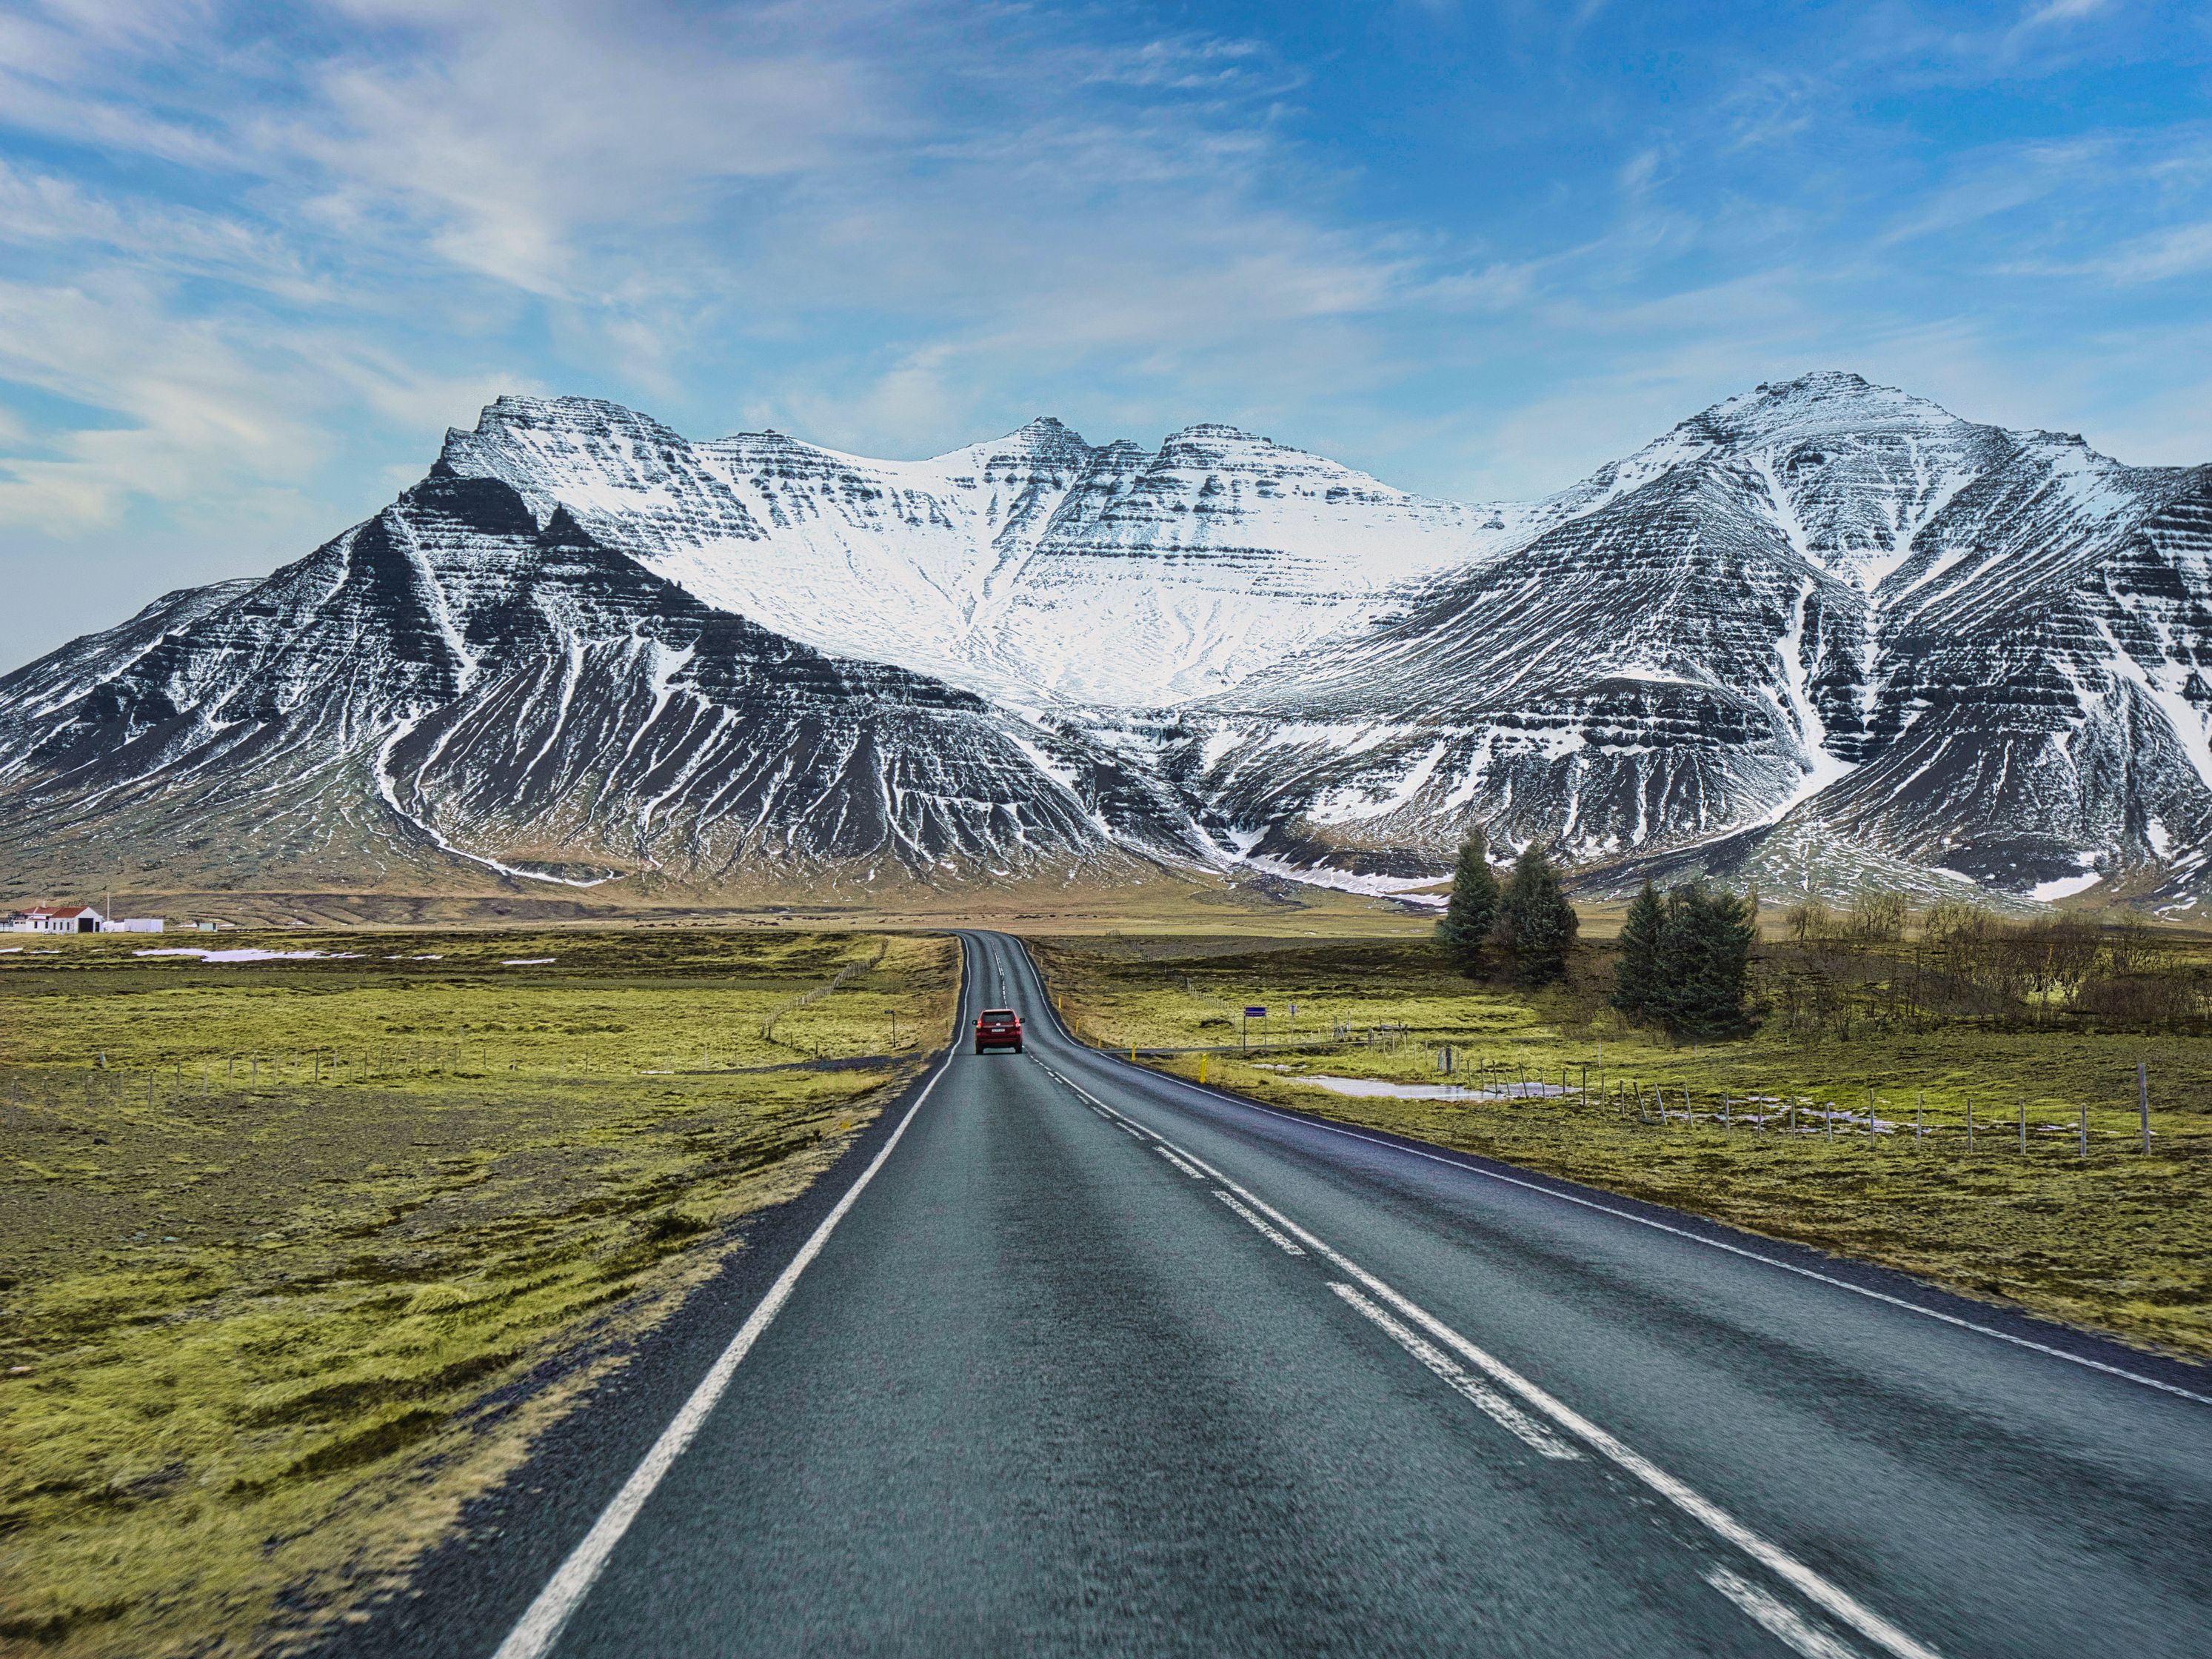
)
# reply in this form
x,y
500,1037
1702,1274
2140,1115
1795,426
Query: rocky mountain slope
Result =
x,y
462,681
1821,633
1824,615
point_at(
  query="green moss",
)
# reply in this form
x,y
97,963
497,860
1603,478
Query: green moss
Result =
x,y
262,1337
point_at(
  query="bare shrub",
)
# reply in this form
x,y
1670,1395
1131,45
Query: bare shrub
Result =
x,y
1876,918
1956,919
1808,920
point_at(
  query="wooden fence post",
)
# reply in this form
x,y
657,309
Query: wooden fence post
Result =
x,y
2142,1101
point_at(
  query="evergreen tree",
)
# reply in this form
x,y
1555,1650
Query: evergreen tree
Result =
x,y
1637,981
1464,931
1534,921
1706,962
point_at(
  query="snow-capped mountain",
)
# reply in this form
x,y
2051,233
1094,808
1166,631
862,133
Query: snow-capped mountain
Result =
x,y
1035,568
464,680
1823,610
1820,633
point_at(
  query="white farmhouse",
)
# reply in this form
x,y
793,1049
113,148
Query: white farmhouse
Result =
x,y
57,919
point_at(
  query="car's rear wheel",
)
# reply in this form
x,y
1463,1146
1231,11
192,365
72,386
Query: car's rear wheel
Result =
x,y
1017,1048
979,1047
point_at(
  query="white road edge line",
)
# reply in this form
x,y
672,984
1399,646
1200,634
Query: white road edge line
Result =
x,y
540,1626
1500,1410
1810,1584
1716,1244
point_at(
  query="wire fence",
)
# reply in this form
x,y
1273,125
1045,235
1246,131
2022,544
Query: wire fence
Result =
x,y
2024,1125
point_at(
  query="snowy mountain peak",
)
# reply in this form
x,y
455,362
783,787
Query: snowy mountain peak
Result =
x,y
1026,565
1049,439
1812,404
553,429
1214,443
1216,432
1046,442
1822,627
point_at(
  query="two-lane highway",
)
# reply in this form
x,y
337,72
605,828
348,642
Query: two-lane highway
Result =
x,y
1091,1360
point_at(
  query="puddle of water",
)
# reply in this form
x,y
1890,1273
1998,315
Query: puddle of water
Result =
x,y
1372,1086
253,956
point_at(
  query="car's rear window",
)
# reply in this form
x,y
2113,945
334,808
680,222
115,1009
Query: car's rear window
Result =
x,y
1000,1016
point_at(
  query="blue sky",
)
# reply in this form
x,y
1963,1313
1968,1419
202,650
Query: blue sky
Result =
x,y
254,259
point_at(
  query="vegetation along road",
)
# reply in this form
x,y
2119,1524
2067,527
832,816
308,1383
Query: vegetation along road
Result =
x,y
1088,1357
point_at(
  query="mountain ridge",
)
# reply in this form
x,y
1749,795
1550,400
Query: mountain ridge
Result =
x,y
1818,632
989,539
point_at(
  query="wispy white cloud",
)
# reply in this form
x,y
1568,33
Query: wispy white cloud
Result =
x,y
658,179
210,417
191,412
527,133
2175,250
2054,12
2077,207
42,212
246,273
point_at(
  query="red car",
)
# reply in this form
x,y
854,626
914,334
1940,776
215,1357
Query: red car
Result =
x,y
998,1028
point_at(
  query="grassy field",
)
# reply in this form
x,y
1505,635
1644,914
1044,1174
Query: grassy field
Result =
x,y
297,1255
1133,899
2120,1241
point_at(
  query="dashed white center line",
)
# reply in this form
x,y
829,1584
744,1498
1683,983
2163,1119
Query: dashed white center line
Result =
x,y
1266,1231
1710,1243
1777,1619
1170,1157
1493,1405
1381,1301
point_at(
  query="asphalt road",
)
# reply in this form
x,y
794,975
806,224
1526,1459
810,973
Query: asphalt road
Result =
x,y
1098,1362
